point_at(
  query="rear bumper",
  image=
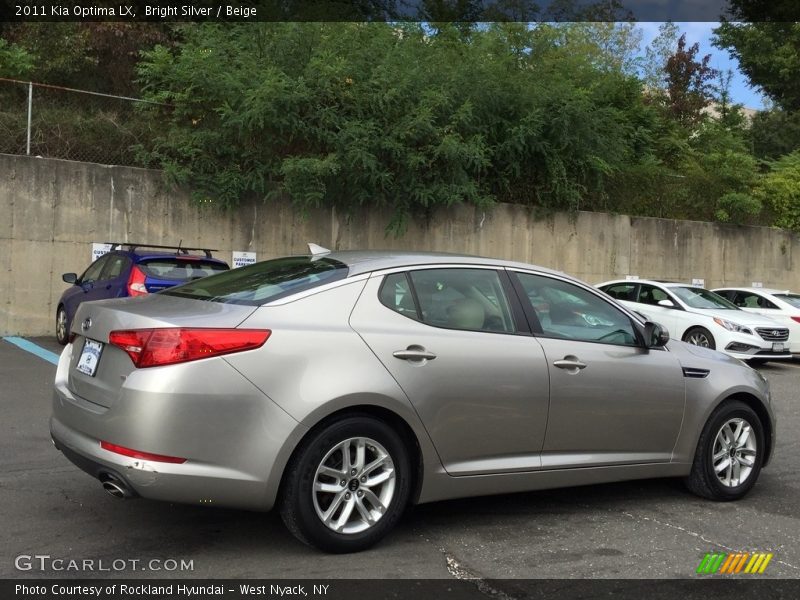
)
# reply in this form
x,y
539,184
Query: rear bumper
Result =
x,y
188,483
236,441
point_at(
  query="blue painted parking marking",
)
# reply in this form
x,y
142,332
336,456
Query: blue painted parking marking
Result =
x,y
28,346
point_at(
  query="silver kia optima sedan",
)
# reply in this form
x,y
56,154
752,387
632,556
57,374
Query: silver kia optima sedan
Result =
x,y
341,387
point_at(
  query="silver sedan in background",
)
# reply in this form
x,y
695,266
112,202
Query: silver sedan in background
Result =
x,y
341,387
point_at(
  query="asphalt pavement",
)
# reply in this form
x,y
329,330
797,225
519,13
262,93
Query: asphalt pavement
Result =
x,y
642,529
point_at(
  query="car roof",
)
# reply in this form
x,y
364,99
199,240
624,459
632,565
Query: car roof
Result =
x,y
758,290
365,261
650,282
149,255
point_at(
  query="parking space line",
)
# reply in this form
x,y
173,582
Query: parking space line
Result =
x,y
28,346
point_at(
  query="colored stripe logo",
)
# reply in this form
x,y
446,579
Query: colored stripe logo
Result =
x,y
733,563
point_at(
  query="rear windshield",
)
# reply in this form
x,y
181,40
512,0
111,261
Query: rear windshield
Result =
x,y
793,299
177,269
264,281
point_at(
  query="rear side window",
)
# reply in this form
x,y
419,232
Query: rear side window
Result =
x,y
396,294
175,269
263,282
471,299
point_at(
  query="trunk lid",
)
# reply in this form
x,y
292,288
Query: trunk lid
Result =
x,y
105,316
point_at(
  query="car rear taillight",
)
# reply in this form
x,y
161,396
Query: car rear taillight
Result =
x,y
796,319
139,454
136,282
167,346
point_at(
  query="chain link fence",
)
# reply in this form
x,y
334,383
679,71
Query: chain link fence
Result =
x,y
58,122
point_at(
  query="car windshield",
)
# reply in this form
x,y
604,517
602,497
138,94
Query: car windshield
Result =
x,y
793,299
699,298
264,281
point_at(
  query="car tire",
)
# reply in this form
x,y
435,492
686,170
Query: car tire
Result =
x,y
336,518
62,326
695,335
706,478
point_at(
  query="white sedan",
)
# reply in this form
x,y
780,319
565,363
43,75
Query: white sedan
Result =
x,y
701,317
782,306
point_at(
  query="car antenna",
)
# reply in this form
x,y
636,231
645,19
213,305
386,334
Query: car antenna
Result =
x,y
317,250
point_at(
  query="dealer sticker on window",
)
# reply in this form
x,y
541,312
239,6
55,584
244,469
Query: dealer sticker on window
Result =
x,y
90,357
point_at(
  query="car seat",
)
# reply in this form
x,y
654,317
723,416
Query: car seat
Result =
x,y
466,313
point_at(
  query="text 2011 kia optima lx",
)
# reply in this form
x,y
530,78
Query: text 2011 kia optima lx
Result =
x,y
340,387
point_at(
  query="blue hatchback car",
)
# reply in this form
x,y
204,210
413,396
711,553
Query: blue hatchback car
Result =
x,y
132,270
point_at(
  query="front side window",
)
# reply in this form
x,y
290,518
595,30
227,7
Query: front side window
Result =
x,y
567,311
650,294
263,282
728,295
94,270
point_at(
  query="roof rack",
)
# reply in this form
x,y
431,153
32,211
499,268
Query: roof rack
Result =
x,y
180,249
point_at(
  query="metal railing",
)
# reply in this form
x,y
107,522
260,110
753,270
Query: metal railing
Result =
x,y
52,121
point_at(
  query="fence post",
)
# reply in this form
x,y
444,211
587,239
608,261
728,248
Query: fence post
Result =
x,y
30,107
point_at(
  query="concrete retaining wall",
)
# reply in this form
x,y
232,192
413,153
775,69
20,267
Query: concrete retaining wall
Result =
x,y
52,210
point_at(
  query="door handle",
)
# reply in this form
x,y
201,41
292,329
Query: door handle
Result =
x,y
414,353
570,363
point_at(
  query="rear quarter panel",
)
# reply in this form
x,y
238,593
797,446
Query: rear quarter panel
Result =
x,y
314,364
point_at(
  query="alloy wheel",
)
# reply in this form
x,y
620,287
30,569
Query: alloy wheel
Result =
x,y
698,338
734,453
354,485
61,325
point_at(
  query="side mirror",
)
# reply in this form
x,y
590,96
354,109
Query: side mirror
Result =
x,y
655,335
70,278
666,303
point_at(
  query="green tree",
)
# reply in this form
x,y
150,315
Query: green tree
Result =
x,y
96,56
720,172
768,54
774,133
727,112
389,115
15,62
779,191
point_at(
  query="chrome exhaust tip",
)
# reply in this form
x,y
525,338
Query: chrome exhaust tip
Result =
x,y
116,488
